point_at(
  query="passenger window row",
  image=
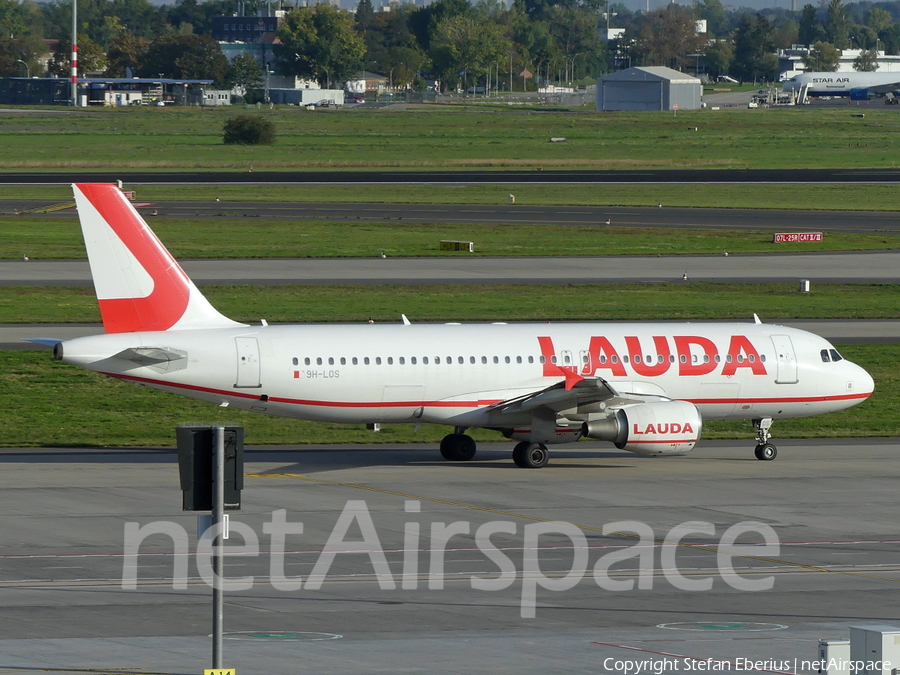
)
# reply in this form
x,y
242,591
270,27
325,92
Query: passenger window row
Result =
x,y
437,360
424,360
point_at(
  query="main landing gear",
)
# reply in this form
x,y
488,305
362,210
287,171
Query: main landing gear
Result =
x,y
458,447
765,451
531,455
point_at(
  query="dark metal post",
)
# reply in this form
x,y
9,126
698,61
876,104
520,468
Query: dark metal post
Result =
x,y
218,524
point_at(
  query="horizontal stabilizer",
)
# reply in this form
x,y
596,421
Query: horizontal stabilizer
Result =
x,y
47,342
160,359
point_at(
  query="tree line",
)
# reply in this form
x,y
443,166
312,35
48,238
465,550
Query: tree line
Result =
x,y
456,42
453,41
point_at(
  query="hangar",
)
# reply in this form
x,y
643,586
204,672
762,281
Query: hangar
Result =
x,y
648,88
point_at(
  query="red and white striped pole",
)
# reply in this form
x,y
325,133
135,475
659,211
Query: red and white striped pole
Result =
x,y
74,53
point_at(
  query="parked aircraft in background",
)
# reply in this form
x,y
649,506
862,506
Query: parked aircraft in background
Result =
x,y
646,387
858,86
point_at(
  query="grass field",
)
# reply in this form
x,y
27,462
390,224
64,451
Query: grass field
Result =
x,y
56,404
42,238
588,302
854,197
61,405
440,137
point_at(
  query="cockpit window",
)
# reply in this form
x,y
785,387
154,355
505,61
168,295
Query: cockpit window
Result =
x,y
825,357
835,356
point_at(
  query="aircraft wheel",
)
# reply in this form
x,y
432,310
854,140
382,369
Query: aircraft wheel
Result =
x,y
458,447
766,452
519,453
535,456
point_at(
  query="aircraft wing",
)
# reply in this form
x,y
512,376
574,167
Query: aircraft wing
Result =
x,y
885,88
565,396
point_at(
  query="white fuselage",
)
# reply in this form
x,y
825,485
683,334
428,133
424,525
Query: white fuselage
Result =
x,y
453,374
841,84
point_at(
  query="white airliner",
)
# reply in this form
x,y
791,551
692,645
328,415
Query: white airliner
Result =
x,y
646,387
858,86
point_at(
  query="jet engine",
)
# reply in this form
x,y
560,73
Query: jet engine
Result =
x,y
663,428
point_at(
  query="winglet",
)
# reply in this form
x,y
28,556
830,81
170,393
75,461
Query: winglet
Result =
x,y
139,285
572,378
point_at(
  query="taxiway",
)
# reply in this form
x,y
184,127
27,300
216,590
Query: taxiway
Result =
x,y
830,503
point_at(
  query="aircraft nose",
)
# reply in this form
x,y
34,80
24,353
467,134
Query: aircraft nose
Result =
x,y
861,382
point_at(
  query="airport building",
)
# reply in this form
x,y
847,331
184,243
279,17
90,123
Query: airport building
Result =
x,y
109,91
649,88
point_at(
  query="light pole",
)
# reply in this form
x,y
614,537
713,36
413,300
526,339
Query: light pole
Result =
x,y
74,53
27,69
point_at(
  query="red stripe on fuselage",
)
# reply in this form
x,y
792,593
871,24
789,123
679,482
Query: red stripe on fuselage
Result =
x,y
299,401
449,404
796,399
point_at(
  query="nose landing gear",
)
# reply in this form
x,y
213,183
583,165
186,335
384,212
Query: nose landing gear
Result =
x,y
765,451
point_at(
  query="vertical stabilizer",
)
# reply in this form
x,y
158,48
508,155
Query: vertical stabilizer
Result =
x,y
139,285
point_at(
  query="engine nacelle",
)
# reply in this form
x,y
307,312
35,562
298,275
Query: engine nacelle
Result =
x,y
664,428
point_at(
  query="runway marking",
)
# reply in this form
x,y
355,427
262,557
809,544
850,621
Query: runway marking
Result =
x,y
731,666
358,578
280,636
696,547
97,671
700,625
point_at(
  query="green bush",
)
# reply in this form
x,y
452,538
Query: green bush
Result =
x,y
249,130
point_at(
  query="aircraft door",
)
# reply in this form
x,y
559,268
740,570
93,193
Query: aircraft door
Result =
x,y
787,371
247,362
565,358
584,358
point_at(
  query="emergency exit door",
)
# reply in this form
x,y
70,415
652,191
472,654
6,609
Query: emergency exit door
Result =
x,y
247,362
